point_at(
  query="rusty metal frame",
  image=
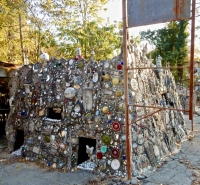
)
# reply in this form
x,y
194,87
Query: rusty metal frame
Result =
x,y
173,67
160,109
163,108
191,117
150,114
128,125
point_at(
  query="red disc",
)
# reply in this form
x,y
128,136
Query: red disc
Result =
x,y
116,126
115,152
119,67
99,155
78,57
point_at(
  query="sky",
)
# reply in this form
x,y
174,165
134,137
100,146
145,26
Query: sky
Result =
x,y
114,13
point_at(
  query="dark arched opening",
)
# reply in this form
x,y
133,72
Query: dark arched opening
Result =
x,y
82,155
19,141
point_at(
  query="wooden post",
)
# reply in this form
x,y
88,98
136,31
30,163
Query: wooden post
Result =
x,y
128,130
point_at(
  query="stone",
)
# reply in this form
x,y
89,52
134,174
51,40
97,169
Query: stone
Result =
x,y
36,150
134,181
69,100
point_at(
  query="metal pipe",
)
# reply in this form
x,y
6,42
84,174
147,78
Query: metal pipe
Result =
x,y
128,130
174,67
192,63
157,22
146,116
162,108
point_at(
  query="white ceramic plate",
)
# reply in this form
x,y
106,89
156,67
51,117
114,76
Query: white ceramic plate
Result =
x,y
115,164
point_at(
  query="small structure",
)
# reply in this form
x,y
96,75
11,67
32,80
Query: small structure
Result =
x,y
72,116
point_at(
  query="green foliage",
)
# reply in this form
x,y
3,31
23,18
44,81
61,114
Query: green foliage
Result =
x,y
171,43
56,27
87,31
9,30
197,54
102,39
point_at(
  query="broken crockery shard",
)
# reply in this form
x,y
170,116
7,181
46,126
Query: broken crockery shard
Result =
x,y
70,106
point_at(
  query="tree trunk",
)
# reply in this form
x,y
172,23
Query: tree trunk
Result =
x,y
21,38
180,70
38,46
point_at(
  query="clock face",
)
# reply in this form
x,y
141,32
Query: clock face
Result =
x,y
134,84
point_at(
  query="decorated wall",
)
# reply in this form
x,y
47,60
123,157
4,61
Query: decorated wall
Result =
x,y
71,112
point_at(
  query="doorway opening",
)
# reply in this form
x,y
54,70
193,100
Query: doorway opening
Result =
x,y
3,117
54,113
19,141
82,155
4,105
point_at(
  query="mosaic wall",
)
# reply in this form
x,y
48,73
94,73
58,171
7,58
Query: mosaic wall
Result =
x,y
57,102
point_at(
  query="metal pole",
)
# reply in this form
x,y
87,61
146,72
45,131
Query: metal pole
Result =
x,y
150,114
173,67
128,130
163,108
192,63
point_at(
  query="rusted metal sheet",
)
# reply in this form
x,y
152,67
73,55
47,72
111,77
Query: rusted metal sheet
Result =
x,y
145,12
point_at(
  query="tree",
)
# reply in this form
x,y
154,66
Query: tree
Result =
x,y
12,28
10,34
57,27
77,24
171,43
71,24
104,40
86,30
